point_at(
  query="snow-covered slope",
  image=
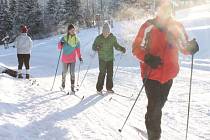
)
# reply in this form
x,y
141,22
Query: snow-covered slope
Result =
x,y
30,111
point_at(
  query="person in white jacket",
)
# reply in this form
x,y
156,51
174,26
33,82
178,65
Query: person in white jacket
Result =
x,y
23,43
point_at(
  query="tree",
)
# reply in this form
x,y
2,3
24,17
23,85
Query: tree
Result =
x,y
13,9
13,15
52,13
5,21
29,13
72,9
61,11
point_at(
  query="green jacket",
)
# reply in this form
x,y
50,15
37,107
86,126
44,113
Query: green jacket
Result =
x,y
105,47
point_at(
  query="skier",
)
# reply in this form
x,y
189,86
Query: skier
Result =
x,y
156,46
104,44
23,43
70,45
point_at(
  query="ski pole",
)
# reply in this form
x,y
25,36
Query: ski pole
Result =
x,y
188,113
56,70
117,66
144,82
90,64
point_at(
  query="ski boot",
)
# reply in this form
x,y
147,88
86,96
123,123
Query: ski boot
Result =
x,y
100,92
20,76
72,90
72,87
63,84
27,76
110,91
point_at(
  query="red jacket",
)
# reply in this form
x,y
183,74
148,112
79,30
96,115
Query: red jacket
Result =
x,y
165,41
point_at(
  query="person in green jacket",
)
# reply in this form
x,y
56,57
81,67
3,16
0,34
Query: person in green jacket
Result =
x,y
104,44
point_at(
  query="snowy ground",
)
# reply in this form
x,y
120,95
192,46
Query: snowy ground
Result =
x,y
31,111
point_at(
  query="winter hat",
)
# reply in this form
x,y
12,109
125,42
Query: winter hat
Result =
x,y
23,29
71,26
106,28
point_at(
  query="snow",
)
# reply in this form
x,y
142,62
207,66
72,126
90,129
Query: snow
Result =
x,y
31,111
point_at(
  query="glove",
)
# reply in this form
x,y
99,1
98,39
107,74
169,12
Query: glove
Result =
x,y
123,50
98,48
62,42
80,59
152,61
192,46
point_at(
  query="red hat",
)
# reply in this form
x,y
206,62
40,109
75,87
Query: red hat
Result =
x,y
23,29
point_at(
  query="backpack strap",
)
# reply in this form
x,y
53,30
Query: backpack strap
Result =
x,y
146,41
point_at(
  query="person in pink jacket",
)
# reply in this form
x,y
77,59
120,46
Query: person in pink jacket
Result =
x,y
70,45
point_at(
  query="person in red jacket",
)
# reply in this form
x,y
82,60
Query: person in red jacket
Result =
x,y
156,46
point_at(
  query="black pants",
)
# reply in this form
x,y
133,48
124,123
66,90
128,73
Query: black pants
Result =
x,y
105,68
157,94
23,59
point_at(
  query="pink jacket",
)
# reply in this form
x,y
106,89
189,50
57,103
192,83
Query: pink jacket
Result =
x,y
70,48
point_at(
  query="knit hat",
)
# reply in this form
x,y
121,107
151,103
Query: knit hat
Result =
x,y
106,28
23,29
71,26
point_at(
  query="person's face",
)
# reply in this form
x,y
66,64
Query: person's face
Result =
x,y
72,31
165,11
106,34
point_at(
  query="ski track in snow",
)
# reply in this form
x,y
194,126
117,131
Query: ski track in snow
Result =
x,y
31,112
42,114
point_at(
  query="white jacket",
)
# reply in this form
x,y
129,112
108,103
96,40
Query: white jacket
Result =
x,y
23,43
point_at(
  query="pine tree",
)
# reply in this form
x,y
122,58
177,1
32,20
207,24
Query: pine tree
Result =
x,y
5,21
52,13
21,12
13,15
61,11
13,8
72,9
29,13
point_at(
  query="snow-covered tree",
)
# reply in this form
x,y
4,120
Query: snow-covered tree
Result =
x,y
5,21
72,9
61,11
13,14
13,8
52,14
30,14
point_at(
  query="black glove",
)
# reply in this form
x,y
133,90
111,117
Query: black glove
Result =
x,y
192,46
152,61
62,42
98,47
80,59
123,50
